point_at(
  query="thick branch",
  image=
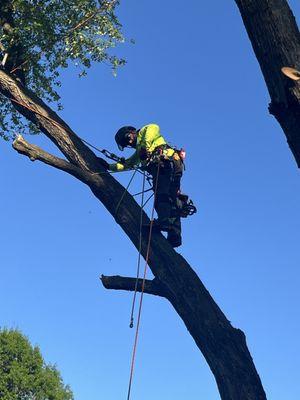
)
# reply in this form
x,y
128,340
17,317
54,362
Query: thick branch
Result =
x,y
123,283
36,153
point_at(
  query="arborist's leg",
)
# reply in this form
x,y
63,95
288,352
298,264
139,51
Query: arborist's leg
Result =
x,y
168,185
163,202
174,234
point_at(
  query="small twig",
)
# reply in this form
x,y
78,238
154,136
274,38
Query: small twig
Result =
x,y
3,62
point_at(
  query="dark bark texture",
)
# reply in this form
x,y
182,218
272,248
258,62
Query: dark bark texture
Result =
x,y
275,38
223,346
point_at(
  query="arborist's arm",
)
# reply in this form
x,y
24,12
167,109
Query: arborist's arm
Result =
x,y
128,164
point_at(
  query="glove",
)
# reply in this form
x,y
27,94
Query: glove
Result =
x,y
144,154
103,163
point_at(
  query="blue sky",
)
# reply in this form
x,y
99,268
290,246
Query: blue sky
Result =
x,y
192,71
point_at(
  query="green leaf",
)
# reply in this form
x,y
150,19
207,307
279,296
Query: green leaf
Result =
x,y
53,35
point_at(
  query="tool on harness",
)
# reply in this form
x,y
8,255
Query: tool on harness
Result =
x,y
184,206
159,155
156,156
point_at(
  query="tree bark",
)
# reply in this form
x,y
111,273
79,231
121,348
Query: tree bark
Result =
x,y
275,38
223,346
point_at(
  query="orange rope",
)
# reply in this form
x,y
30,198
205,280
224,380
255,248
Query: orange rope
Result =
x,y
142,292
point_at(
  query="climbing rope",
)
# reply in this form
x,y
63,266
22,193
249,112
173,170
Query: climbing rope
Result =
x,y
139,255
142,291
149,198
143,191
124,193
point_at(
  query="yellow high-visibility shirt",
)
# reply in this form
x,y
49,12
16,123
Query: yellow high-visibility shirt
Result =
x,y
148,137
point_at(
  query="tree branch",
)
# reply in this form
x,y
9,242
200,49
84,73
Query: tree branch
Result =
x,y
34,152
124,283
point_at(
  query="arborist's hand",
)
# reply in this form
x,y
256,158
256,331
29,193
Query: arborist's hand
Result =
x,y
103,163
144,154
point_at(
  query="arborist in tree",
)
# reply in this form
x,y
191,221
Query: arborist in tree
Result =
x,y
165,164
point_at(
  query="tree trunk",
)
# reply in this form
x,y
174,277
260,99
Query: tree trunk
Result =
x,y
223,346
275,38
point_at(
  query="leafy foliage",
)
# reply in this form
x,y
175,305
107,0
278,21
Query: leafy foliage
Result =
x,y
51,35
24,374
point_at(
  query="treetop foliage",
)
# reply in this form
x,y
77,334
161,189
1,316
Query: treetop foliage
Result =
x,y
42,37
24,374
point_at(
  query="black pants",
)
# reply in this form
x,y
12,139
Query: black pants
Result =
x,y
168,184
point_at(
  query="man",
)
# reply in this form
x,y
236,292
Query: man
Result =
x,y
164,164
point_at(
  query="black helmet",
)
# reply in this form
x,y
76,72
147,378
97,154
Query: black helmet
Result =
x,y
121,136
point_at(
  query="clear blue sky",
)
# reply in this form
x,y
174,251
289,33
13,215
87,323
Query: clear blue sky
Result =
x,y
192,71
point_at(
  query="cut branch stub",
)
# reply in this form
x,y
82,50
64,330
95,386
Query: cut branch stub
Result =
x,y
131,284
275,38
34,152
291,73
